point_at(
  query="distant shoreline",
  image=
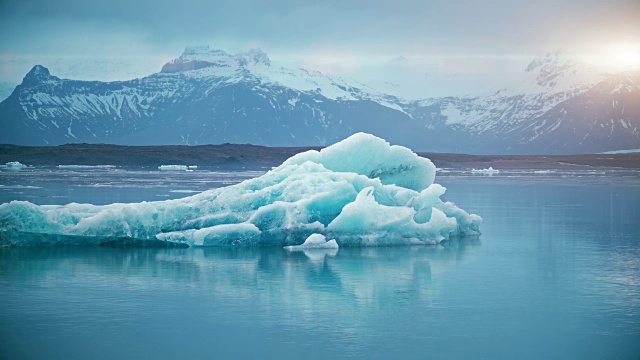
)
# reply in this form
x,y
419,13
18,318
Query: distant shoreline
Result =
x,y
254,155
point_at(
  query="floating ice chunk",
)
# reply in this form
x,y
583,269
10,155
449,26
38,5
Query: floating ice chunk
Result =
x,y
490,170
359,192
173,167
314,241
15,165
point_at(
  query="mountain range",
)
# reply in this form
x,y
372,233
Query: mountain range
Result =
x,y
556,105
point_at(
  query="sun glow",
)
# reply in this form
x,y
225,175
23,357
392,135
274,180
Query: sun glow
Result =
x,y
623,57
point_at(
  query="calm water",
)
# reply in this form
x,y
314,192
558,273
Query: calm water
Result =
x,y
555,275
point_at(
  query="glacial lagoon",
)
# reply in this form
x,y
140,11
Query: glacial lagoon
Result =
x,y
555,274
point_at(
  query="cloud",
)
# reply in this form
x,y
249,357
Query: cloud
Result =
x,y
373,27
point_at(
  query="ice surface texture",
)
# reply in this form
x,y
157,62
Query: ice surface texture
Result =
x,y
360,192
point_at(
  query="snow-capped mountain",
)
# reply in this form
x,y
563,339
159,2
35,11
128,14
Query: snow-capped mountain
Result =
x,y
528,116
210,96
604,116
545,83
205,96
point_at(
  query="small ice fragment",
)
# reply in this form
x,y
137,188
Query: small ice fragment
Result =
x,y
15,165
490,170
173,167
314,241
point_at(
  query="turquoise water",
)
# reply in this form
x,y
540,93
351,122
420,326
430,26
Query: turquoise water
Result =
x,y
555,275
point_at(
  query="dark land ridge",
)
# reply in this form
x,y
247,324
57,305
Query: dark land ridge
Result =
x,y
253,155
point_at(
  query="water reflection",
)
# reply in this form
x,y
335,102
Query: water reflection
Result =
x,y
358,271
340,294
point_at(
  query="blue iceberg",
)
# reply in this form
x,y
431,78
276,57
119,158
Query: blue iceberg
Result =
x,y
360,192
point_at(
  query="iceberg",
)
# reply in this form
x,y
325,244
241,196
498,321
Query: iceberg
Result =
x,y
15,165
173,167
359,192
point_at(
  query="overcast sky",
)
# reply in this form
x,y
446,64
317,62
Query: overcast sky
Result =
x,y
159,28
